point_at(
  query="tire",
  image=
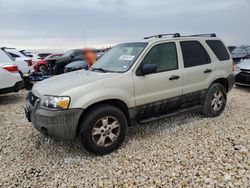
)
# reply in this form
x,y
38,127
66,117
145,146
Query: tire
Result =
x,y
42,68
100,125
215,100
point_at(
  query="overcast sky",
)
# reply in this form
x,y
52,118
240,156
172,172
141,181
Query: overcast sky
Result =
x,y
66,24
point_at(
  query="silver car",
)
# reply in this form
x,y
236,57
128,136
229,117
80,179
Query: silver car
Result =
x,y
243,73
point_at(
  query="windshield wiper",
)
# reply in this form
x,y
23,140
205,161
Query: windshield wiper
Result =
x,y
99,69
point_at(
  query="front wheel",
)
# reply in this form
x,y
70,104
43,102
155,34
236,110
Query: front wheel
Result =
x,y
103,129
215,100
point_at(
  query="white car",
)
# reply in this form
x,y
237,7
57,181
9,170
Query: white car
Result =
x,y
11,80
23,62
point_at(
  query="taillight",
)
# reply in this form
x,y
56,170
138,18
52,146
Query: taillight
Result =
x,y
29,62
11,68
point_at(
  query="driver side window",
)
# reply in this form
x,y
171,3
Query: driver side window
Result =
x,y
164,56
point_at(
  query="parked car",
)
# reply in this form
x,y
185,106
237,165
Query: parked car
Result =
x,y
66,58
11,80
231,48
76,65
241,52
136,82
43,55
42,65
23,62
242,72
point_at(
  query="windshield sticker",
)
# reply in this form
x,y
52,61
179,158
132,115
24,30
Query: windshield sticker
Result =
x,y
124,66
127,57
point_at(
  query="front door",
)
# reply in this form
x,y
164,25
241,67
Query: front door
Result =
x,y
160,91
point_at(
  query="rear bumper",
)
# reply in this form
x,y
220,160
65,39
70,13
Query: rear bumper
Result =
x,y
230,81
15,88
57,124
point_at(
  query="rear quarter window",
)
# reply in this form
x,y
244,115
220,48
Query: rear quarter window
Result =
x,y
219,49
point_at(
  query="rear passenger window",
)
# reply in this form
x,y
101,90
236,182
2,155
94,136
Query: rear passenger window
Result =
x,y
194,54
164,56
13,55
219,49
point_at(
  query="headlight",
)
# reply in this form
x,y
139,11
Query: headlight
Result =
x,y
54,102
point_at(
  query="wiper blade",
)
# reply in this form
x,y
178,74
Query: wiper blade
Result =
x,y
99,69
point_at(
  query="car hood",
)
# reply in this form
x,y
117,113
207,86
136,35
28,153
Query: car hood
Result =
x,y
244,65
57,85
234,56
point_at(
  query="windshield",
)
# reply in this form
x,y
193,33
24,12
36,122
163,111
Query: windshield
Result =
x,y
51,57
120,58
239,51
248,50
67,54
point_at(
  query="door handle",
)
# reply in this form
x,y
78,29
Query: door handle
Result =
x,y
174,77
207,71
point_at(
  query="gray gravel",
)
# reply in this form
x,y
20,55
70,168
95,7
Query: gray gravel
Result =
x,y
185,150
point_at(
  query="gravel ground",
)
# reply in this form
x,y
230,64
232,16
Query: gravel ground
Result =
x,y
185,150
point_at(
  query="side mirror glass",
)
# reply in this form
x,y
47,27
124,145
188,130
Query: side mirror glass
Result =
x,y
148,69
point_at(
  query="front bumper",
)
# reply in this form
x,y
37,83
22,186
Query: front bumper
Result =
x,y
57,124
242,78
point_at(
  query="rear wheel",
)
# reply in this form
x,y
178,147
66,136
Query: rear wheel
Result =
x,y
215,100
103,129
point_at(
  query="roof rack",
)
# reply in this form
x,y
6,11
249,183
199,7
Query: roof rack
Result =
x,y
162,35
201,35
175,35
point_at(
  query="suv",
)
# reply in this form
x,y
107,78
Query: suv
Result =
x,y
11,80
137,82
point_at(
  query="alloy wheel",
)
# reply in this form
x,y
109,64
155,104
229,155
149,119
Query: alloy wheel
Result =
x,y
217,100
106,131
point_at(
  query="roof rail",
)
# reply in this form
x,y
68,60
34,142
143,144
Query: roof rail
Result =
x,y
162,35
175,35
201,35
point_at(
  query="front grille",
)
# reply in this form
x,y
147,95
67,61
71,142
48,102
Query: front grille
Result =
x,y
245,70
243,78
32,98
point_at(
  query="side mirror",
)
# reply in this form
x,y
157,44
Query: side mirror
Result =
x,y
72,56
148,69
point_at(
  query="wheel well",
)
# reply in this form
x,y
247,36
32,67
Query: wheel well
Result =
x,y
222,81
114,102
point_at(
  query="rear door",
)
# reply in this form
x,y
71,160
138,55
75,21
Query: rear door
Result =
x,y
197,70
158,92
